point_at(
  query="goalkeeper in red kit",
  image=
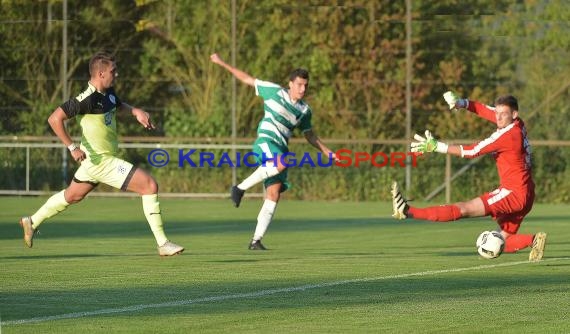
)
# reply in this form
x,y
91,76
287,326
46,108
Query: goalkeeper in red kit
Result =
x,y
512,200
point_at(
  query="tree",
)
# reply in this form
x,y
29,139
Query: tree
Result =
x,y
32,55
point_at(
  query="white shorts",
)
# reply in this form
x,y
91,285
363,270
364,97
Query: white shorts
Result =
x,y
110,170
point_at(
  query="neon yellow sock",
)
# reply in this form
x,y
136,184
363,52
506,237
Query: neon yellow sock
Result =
x,y
54,205
151,208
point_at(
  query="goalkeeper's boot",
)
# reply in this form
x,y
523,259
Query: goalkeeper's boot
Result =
x,y
169,249
256,245
399,203
538,244
29,231
236,194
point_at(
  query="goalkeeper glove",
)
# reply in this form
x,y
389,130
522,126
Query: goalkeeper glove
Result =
x,y
428,144
454,101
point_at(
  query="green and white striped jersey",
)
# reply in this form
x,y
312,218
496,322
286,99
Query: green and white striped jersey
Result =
x,y
281,114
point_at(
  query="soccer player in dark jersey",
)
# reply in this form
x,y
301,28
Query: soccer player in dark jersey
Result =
x,y
512,200
95,110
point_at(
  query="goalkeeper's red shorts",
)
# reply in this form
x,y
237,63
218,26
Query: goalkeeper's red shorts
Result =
x,y
508,207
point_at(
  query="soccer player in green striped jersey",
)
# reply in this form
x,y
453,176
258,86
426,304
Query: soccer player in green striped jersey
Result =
x,y
95,110
284,110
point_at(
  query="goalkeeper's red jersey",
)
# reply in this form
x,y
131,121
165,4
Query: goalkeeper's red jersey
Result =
x,y
509,147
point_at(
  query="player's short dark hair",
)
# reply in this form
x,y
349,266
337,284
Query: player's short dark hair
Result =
x,y
100,59
507,100
299,73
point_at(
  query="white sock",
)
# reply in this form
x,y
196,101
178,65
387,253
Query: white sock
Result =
x,y
54,205
264,218
260,174
151,208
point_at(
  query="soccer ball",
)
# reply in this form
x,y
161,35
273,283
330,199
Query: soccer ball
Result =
x,y
490,244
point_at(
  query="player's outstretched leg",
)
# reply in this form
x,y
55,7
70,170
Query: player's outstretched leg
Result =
x,y
53,206
399,203
169,249
236,194
538,244
29,231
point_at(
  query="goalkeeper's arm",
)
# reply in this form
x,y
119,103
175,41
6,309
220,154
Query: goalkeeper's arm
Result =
x,y
430,144
455,150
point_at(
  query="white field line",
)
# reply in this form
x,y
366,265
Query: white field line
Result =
x,y
260,293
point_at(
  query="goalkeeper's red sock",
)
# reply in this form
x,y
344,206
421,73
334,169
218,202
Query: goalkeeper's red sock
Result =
x,y
441,213
517,242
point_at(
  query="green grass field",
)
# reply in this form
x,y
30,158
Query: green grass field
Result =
x,y
332,267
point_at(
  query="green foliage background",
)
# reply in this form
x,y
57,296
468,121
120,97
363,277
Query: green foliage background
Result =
x,y
354,50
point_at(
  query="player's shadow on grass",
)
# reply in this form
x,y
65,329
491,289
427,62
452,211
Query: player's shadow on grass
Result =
x,y
52,256
27,257
122,229
236,261
455,253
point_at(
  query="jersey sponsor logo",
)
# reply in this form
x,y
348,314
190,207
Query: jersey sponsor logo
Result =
x,y
108,118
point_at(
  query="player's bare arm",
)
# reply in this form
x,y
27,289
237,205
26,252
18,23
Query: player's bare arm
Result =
x,y
316,142
57,122
142,116
239,74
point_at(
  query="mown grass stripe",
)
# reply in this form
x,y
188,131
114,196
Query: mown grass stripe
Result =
x,y
261,293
